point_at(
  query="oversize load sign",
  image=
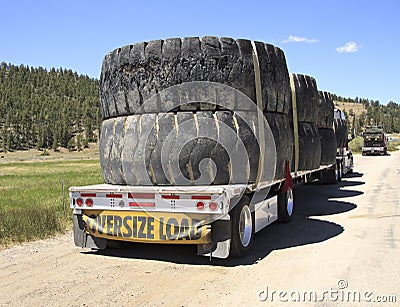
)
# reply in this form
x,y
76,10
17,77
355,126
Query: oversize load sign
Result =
x,y
143,227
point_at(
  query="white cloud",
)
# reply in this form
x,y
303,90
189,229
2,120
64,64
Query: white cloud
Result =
x,y
348,48
298,39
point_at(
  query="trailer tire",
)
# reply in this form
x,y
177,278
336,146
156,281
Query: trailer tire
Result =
x,y
285,206
242,228
339,167
330,176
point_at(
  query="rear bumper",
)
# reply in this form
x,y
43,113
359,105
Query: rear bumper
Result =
x,y
188,230
373,150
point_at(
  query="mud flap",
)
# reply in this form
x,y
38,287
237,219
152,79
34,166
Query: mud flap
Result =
x,y
221,241
82,239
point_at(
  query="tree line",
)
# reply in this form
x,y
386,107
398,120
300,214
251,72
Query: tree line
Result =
x,y
47,109
374,113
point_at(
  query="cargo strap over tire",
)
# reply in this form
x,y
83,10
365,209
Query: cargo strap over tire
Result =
x,y
295,124
260,117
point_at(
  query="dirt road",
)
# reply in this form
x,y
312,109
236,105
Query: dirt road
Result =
x,y
342,245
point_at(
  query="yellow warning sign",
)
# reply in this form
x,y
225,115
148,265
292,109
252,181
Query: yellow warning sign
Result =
x,y
157,227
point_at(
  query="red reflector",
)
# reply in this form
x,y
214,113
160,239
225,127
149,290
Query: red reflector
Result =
x,y
88,194
89,202
213,205
135,204
203,197
170,196
141,195
200,205
114,195
79,202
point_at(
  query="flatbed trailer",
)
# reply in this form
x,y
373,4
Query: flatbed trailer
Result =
x,y
219,219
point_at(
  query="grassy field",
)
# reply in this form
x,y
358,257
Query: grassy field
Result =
x,y
31,201
357,108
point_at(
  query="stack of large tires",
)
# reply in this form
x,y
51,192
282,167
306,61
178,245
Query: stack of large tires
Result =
x,y
158,130
325,127
307,101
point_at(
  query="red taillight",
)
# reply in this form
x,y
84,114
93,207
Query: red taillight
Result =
x,y
170,196
89,202
202,197
79,202
200,205
213,205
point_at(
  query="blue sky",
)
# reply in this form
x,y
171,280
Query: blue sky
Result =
x,y
351,47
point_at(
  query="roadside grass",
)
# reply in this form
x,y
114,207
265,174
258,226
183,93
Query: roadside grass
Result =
x,y
31,198
393,145
355,145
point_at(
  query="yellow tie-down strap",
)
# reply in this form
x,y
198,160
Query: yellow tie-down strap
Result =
x,y
154,227
295,124
260,115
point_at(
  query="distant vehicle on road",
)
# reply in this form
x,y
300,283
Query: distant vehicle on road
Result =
x,y
375,141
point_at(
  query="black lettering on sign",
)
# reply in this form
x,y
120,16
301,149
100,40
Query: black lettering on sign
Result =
x,y
110,225
172,223
162,234
184,230
101,223
150,227
134,226
127,227
142,225
195,232
117,226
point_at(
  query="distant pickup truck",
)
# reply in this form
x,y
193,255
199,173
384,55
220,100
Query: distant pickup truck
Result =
x,y
375,141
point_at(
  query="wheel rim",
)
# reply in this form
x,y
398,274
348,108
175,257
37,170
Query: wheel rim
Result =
x,y
245,226
290,202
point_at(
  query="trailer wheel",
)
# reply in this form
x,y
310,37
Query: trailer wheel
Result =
x,y
339,171
285,206
242,231
330,176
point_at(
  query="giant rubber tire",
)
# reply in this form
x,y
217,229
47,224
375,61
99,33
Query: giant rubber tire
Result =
x,y
309,147
133,73
317,148
283,136
307,98
340,132
237,249
328,146
325,111
131,147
